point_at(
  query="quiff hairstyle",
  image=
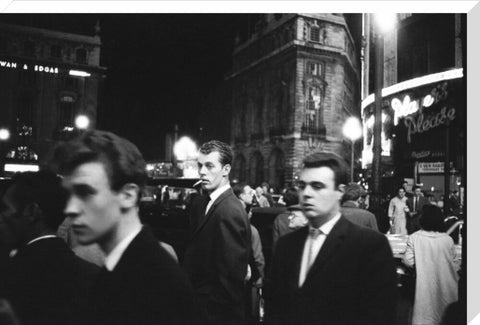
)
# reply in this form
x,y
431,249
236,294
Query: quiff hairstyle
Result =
x,y
122,160
225,151
331,160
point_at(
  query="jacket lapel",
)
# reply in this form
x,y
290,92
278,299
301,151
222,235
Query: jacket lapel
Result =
x,y
331,244
203,219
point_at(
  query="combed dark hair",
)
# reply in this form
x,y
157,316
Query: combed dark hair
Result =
x,y
291,196
43,188
330,160
415,187
352,192
226,153
239,188
122,160
401,188
432,219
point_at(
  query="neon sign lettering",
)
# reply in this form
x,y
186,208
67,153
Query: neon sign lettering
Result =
x,y
36,67
408,106
421,124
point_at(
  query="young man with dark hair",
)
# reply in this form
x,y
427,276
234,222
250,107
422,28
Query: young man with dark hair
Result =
x,y
351,210
43,280
217,256
415,205
333,271
103,175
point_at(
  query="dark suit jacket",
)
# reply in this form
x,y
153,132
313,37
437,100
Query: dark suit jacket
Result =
x,y
352,280
414,216
46,283
146,287
358,216
217,256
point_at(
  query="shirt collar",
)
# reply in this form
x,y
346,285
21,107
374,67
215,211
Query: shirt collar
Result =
x,y
327,226
215,194
111,260
41,237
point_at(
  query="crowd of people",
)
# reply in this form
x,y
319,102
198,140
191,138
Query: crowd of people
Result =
x,y
330,263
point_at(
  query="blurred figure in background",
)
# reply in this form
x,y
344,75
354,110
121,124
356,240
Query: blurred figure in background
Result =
x,y
259,200
397,212
433,255
415,205
284,223
351,210
267,193
45,282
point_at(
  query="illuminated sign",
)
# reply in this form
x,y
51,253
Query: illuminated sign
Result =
x,y
407,106
20,168
420,123
34,67
430,167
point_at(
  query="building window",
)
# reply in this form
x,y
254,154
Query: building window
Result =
x,y
81,55
55,51
314,69
314,98
29,48
315,33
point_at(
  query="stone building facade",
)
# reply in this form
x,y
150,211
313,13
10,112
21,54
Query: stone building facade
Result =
x,y
294,82
47,79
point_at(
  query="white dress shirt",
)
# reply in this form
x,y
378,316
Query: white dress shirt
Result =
x,y
111,260
315,244
215,194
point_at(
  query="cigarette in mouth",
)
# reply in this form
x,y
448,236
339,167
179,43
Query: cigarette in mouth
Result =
x,y
197,183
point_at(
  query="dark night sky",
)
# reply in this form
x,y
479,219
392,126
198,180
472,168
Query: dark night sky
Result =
x,y
161,67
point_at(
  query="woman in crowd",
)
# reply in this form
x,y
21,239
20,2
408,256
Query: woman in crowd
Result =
x,y
432,252
397,212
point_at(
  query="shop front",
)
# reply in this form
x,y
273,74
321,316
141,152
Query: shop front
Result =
x,y
423,130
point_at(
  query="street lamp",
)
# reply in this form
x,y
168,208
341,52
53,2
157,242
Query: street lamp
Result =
x,y
184,150
384,23
353,131
82,122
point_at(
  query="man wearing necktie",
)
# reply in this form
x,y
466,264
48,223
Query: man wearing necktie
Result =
x,y
415,205
333,271
218,253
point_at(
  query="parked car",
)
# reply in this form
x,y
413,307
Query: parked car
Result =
x,y
165,207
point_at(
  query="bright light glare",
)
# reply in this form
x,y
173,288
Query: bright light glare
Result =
x,y
78,73
4,134
185,149
352,128
20,168
386,22
82,122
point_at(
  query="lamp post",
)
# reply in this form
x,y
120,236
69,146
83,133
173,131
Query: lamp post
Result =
x,y
353,131
4,137
383,24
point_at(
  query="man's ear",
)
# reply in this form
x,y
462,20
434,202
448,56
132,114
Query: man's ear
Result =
x,y
226,169
129,195
341,190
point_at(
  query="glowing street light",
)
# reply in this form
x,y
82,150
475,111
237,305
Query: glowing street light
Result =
x,y
4,134
352,129
82,122
185,149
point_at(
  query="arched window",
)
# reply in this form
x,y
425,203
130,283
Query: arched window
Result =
x,y
239,168
276,166
81,55
256,169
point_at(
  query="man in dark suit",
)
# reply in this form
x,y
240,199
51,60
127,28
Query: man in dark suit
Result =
x,y
333,271
45,282
140,283
415,205
218,253
350,207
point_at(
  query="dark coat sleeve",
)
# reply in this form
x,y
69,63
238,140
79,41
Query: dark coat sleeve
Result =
x,y
231,254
